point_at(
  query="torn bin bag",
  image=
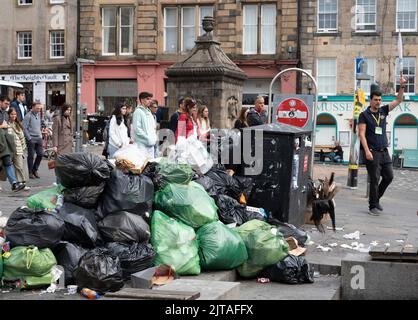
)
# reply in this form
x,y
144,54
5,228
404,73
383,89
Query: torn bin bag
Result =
x,y
80,226
39,228
124,227
86,197
291,270
127,192
230,210
133,257
100,271
81,169
68,255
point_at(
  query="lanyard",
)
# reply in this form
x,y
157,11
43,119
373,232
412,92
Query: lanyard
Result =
x,y
377,121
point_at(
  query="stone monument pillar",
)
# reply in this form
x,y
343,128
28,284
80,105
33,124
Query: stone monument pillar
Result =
x,y
208,75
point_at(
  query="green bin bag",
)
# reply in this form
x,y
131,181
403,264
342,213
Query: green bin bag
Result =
x,y
28,262
189,204
171,172
265,246
175,244
46,199
220,248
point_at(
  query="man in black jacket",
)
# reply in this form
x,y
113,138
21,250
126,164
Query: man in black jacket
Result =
x,y
19,105
257,116
174,119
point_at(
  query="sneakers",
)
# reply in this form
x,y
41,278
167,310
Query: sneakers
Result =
x,y
379,207
374,212
26,188
17,186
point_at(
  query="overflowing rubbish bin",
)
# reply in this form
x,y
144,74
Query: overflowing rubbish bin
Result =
x,y
285,166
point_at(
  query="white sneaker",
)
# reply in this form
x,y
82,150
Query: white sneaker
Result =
x,y
26,188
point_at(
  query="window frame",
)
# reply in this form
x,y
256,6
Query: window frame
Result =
x,y
397,77
119,15
323,30
56,1
336,76
19,3
259,25
22,45
50,44
397,12
180,35
367,24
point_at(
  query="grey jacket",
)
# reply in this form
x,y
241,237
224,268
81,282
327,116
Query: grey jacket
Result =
x,y
32,125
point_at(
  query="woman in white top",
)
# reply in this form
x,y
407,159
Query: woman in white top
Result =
x,y
118,130
204,122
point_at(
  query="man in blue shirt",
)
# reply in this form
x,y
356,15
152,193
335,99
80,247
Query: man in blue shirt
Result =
x,y
372,131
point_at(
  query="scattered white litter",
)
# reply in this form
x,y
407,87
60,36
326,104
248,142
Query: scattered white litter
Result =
x,y
400,241
3,221
346,246
310,243
324,249
336,229
333,244
352,236
316,274
409,246
387,244
374,243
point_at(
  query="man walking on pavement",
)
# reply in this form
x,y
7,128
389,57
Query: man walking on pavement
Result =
x,y
32,123
4,116
372,131
143,122
19,105
257,116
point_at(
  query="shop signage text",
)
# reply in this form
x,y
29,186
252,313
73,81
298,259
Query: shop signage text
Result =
x,y
348,107
44,77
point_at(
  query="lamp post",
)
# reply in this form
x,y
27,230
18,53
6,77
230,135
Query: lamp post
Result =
x,y
359,104
79,62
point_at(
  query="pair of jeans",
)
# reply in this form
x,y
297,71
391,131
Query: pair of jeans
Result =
x,y
111,150
35,146
380,166
8,167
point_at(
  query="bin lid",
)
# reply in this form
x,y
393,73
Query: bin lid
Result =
x,y
280,128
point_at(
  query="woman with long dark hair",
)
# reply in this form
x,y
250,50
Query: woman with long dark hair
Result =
x,y
62,130
203,120
188,124
118,130
15,128
241,122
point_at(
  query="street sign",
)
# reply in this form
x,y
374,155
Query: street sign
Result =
x,y
359,61
293,111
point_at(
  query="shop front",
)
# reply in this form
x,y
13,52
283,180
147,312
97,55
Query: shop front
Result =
x,y
50,89
334,119
105,84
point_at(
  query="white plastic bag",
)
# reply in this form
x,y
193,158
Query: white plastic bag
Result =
x,y
192,151
132,153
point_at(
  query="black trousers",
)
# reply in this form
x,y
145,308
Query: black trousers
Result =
x,y
381,166
34,146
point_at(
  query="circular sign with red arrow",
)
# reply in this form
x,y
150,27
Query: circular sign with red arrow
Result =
x,y
293,112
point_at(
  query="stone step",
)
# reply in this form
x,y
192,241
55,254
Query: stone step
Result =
x,y
209,289
223,275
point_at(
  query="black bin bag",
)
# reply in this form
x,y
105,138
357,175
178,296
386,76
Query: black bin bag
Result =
x,y
86,197
80,226
291,270
68,255
100,271
124,227
35,227
230,210
81,169
127,192
133,257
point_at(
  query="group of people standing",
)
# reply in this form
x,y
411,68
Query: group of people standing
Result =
x,y
21,138
140,126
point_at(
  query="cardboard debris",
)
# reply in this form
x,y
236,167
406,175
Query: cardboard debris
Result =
x,y
294,248
147,278
324,249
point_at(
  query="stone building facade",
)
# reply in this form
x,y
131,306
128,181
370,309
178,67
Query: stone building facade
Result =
x,y
333,34
132,53
38,48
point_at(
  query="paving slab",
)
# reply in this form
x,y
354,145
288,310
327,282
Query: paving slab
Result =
x,y
209,290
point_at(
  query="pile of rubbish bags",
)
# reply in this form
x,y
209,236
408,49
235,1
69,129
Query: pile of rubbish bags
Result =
x,y
104,223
